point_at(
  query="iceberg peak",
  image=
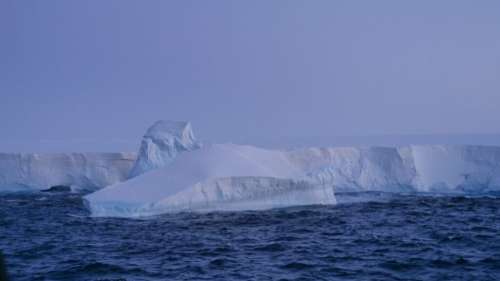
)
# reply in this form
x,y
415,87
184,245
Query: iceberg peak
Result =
x,y
161,144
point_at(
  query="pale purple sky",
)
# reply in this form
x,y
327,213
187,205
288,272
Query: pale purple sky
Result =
x,y
82,73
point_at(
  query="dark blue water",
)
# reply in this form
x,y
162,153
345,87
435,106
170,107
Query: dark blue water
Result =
x,y
394,238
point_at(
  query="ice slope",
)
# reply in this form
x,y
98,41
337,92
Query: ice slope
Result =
x,y
161,144
31,171
228,176
246,193
220,176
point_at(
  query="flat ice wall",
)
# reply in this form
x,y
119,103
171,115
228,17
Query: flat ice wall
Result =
x,y
31,171
236,177
433,168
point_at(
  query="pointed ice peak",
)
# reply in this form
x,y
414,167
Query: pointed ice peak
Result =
x,y
178,133
161,144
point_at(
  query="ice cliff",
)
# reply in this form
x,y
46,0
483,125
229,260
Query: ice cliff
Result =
x,y
236,177
173,172
215,177
459,169
91,171
31,171
161,144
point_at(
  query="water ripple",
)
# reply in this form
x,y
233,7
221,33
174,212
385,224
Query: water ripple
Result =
x,y
396,237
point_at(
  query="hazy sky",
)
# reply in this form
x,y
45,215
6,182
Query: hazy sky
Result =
x,y
88,71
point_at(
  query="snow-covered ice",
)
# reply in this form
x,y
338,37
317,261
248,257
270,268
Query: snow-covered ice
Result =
x,y
432,168
214,177
161,144
174,172
91,171
236,177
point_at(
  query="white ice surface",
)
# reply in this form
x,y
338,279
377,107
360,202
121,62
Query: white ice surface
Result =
x,y
31,171
171,187
434,168
469,169
211,178
161,144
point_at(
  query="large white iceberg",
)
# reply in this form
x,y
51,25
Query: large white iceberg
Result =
x,y
173,172
91,171
215,177
432,168
161,144
235,177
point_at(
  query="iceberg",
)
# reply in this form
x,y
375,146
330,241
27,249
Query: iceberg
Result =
x,y
356,168
174,172
466,169
238,177
89,171
432,168
161,144
92,171
214,177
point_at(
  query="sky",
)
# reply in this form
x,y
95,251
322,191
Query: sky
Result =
x,y
93,75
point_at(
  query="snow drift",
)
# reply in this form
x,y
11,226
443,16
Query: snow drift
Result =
x,y
31,171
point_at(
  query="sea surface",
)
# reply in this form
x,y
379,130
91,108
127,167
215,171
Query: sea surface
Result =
x,y
366,237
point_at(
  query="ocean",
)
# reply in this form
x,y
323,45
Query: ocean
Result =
x,y
367,236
